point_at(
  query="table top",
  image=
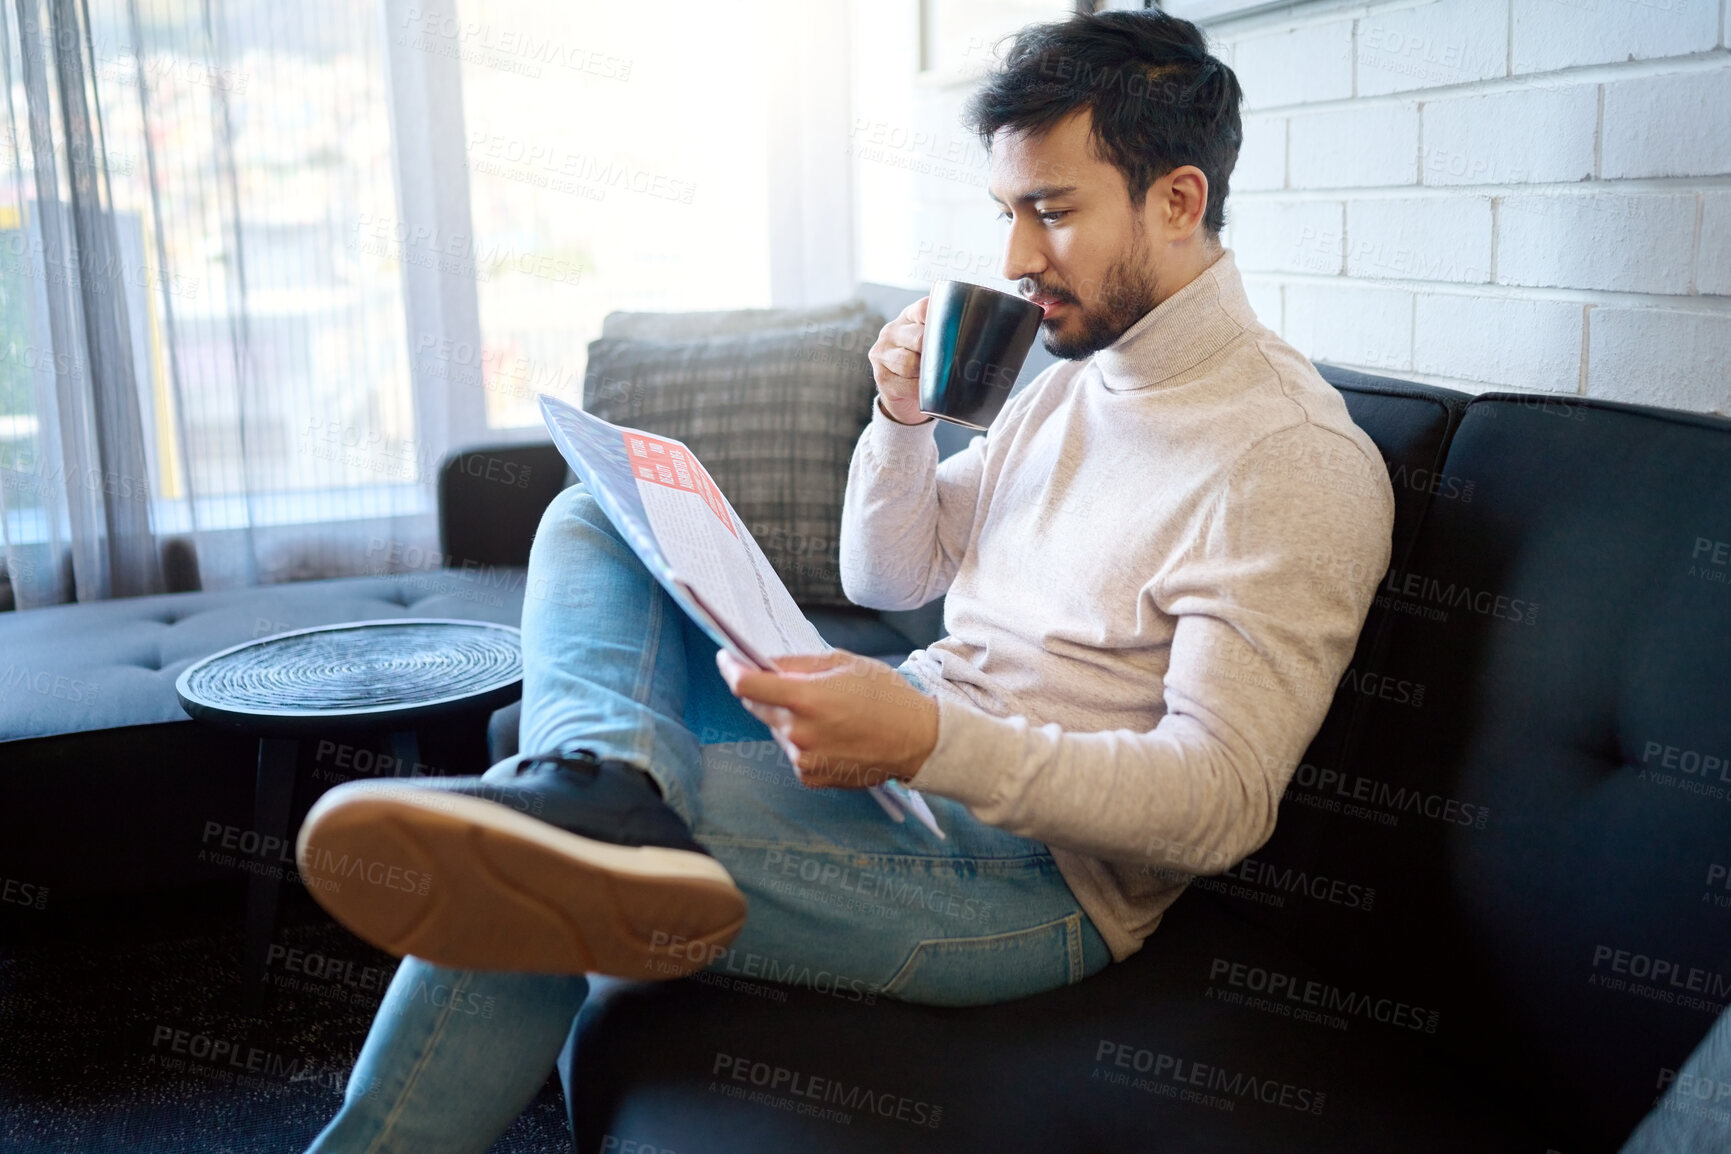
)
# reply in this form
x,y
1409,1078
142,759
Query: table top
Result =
x,y
379,674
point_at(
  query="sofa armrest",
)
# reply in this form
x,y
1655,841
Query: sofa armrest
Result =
x,y
491,500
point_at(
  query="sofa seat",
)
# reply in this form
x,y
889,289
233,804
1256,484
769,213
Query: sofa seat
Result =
x,y
110,787
109,664
1145,1056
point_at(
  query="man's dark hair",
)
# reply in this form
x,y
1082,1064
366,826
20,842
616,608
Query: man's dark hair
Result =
x,y
1158,99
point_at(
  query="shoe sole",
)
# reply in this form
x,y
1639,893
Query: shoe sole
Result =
x,y
473,884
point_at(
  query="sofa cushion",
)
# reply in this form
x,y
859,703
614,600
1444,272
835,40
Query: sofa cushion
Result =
x,y
111,664
491,501
1168,1050
774,415
1411,425
1289,886
688,326
1549,833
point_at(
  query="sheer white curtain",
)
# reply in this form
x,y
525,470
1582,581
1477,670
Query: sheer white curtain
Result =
x,y
686,154
204,357
263,264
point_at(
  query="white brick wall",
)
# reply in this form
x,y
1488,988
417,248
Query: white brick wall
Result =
x,y
1508,194
1284,236
1660,357
1487,339
1552,34
1700,100
1517,136
1401,49
1714,275
1527,194
1434,238
1354,147
1640,243
1349,325
1310,62
1262,157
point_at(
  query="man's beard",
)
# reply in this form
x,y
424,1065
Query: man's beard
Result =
x,y
1125,296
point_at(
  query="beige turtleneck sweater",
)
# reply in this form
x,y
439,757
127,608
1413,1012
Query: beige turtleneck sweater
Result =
x,y
1158,561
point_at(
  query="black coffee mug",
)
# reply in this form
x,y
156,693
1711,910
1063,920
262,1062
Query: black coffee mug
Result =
x,y
976,340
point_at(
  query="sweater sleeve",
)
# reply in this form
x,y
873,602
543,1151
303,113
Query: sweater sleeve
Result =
x,y
906,517
1268,599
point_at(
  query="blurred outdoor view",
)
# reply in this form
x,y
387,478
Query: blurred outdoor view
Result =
x,y
618,157
240,157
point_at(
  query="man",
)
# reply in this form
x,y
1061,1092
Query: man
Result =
x,y
1145,621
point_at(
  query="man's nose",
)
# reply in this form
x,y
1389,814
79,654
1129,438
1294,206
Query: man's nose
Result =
x,y
1023,254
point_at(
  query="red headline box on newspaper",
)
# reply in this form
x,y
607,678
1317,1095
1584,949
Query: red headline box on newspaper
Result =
x,y
668,463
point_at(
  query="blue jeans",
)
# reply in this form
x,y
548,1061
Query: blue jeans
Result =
x,y
841,899
1693,1113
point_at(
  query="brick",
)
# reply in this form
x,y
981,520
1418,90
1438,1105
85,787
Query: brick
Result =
x,y
1264,297
1300,66
1350,325
1354,148
1713,262
1440,238
1622,243
1262,158
1675,125
1551,34
1527,135
1660,357
1522,344
1440,43
1287,236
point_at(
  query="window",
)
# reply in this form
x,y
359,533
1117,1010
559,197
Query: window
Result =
x,y
617,159
243,158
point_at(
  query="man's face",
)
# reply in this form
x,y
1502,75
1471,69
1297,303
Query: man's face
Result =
x,y
1076,243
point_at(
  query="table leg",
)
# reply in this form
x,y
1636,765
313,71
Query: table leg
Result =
x,y
406,748
272,800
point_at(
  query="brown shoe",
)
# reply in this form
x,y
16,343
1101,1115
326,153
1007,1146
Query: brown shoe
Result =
x,y
571,865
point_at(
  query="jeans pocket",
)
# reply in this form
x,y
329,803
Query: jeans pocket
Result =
x,y
991,968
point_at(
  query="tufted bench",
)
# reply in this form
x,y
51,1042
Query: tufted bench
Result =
x,y
107,786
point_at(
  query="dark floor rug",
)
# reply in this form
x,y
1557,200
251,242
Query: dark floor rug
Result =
x,y
124,1030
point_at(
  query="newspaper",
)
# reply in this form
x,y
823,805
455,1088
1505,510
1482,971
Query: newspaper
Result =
x,y
668,508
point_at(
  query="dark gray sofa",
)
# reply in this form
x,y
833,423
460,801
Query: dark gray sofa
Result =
x,y
1494,915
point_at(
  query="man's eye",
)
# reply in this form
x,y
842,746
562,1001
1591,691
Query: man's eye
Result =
x,y
1053,217
1004,215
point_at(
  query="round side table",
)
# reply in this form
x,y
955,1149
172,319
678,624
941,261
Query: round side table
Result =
x,y
390,676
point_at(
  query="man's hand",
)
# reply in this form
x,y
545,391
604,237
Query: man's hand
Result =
x,y
896,364
845,721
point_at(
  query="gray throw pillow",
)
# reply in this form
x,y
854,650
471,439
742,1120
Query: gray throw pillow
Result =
x,y
773,414
723,322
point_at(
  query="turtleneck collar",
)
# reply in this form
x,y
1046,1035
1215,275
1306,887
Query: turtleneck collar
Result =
x,y
1181,332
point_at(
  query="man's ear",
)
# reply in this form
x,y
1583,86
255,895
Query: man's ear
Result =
x,y
1180,201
